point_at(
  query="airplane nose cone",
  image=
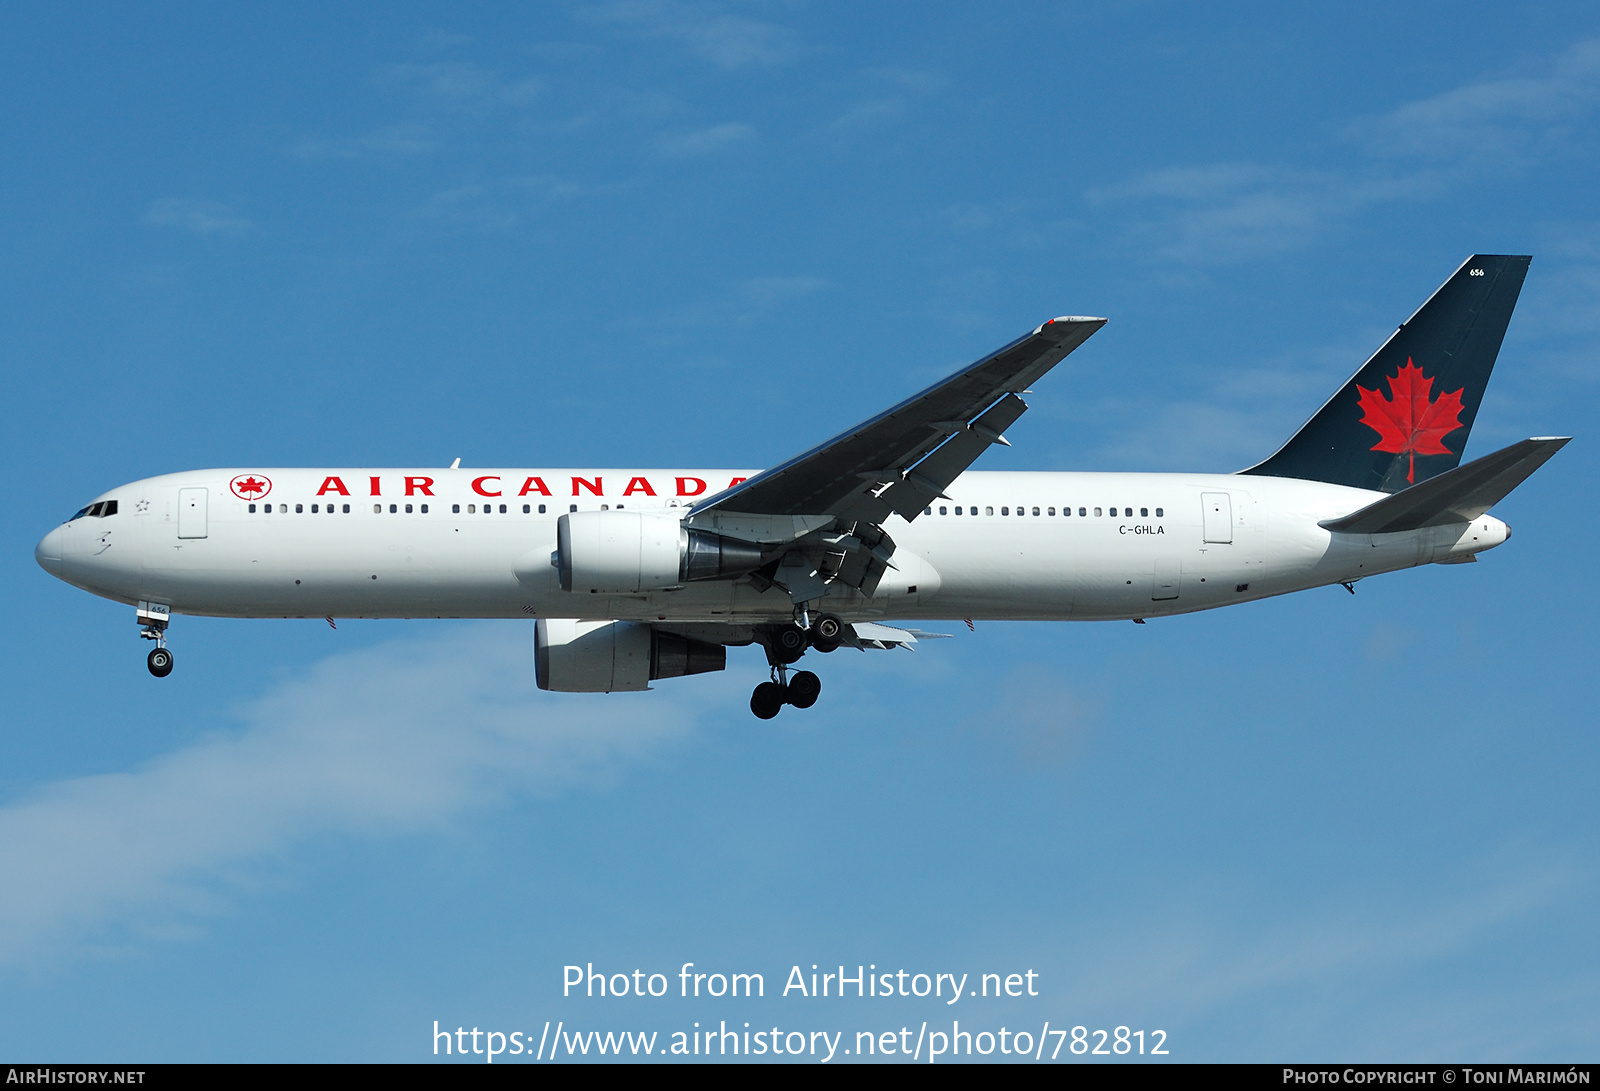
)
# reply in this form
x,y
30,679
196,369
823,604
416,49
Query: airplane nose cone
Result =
x,y
48,552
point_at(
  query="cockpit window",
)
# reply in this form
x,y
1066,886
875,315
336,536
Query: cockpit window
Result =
x,y
97,511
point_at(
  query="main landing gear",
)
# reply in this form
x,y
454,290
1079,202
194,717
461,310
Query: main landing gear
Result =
x,y
785,646
153,626
801,691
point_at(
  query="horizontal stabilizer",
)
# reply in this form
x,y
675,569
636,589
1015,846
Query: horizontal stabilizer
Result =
x,y
1455,496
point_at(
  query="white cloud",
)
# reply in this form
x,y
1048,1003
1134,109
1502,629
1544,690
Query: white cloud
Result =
x,y
1227,212
501,204
765,293
706,30
403,738
1224,213
705,141
1485,122
906,85
200,217
1191,967
459,83
738,304
391,140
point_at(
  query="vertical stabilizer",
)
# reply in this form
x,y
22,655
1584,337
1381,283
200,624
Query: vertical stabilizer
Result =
x,y
1405,416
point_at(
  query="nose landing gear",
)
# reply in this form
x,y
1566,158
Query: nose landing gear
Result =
x,y
153,619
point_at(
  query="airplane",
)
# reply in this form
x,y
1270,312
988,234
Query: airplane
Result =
x,y
635,575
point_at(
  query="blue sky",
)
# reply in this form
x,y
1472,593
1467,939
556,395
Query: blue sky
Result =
x,y
643,233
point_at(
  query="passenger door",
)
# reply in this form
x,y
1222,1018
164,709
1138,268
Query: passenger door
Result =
x,y
1218,517
191,513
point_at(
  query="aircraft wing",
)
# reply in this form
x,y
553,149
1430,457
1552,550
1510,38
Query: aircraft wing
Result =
x,y
903,458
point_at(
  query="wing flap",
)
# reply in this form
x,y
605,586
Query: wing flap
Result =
x,y
927,480
1455,496
870,634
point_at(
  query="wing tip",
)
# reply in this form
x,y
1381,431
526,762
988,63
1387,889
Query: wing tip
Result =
x,y
1070,320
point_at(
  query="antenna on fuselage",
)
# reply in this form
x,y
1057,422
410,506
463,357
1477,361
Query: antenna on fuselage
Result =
x,y
456,465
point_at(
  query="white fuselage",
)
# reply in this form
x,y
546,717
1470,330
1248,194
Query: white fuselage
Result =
x,y
1133,546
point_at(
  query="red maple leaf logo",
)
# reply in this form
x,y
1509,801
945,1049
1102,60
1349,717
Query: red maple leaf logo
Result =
x,y
1407,422
250,487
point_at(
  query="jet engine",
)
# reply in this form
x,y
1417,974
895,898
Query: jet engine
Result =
x,y
627,551
606,656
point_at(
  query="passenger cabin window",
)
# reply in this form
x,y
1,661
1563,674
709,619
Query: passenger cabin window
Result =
x,y
502,509
283,509
945,511
1144,513
988,511
1082,512
572,507
377,509
958,509
252,509
1005,511
541,509
1158,513
1051,510
1097,513
408,509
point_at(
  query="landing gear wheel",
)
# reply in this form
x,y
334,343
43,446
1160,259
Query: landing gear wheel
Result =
x,y
788,644
804,688
826,633
767,700
160,662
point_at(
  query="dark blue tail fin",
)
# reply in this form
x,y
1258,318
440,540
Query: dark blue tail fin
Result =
x,y
1405,416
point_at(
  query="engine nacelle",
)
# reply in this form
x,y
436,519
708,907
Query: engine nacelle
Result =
x,y
607,656
623,552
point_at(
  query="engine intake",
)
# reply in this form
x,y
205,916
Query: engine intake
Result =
x,y
610,656
608,552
